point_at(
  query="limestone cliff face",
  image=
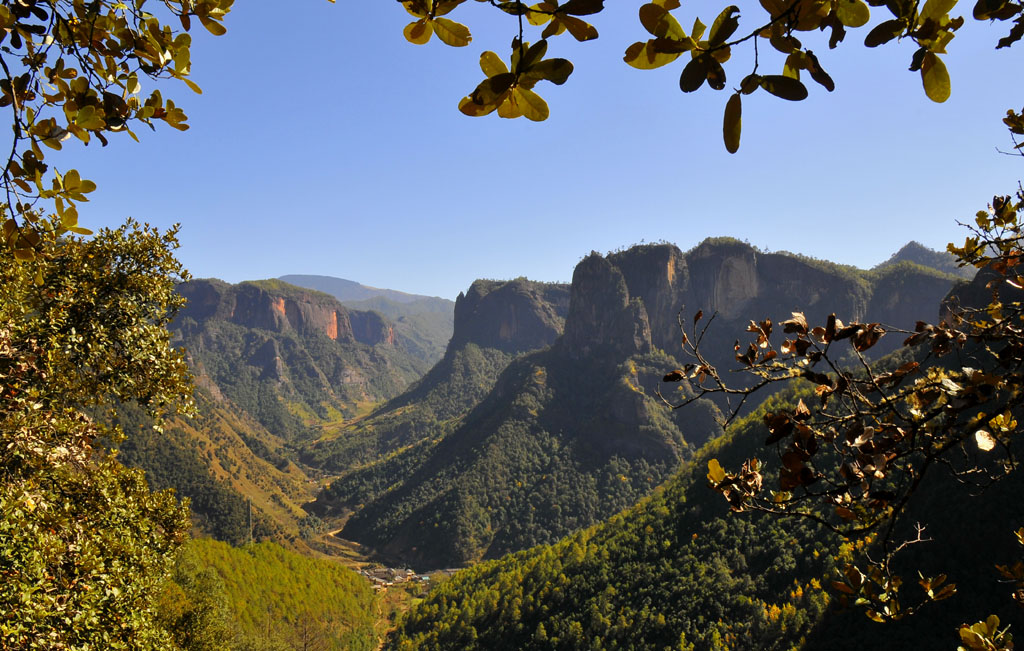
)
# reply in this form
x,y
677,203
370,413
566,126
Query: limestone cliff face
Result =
x,y
280,308
630,301
514,316
602,319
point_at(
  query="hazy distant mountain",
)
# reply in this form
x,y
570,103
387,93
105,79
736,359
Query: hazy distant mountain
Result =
x,y
349,290
920,254
423,324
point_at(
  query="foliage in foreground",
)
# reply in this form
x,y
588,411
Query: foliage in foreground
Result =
x,y
84,544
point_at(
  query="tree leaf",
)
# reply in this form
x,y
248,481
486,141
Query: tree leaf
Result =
x,y
532,105
935,78
655,53
583,7
492,65
715,472
884,32
716,74
732,123
724,26
452,33
213,26
580,29
418,32
784,87
694,74
556,71
936,9
853,13
660,23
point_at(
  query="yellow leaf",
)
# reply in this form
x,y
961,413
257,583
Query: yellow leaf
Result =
x,y
468,107
492,64
418,32
213,26
935,78
715,472
452,33
853,13
531,104
89,118
643,56
509,109
984,440
536,14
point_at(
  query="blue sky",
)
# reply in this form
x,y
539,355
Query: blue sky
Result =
x,y
325,143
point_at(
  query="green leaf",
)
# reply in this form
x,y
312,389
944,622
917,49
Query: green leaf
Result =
x,y
935,78
732,123
784,87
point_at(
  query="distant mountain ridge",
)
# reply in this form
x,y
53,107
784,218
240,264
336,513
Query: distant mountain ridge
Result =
x,y
920,254
349,290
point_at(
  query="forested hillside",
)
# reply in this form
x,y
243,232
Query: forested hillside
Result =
x,y
263,597
680,571
575,432
290,357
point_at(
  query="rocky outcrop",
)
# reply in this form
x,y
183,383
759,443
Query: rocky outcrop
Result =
x,y
630,301
602,319
513,316
278,307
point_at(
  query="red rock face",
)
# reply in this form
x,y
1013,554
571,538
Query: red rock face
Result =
x,y
332,326
277,305
254,306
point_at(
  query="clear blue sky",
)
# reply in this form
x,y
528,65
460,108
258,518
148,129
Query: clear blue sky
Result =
x,y
324,143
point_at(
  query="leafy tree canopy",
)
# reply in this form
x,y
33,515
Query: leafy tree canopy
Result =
x,y
85,544
782,60
73,69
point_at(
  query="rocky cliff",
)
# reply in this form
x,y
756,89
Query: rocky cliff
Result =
x,y
278,307
289,357
627,302
512,316
571,433
494,322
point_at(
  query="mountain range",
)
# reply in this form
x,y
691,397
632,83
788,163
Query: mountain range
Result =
x,y
535,418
